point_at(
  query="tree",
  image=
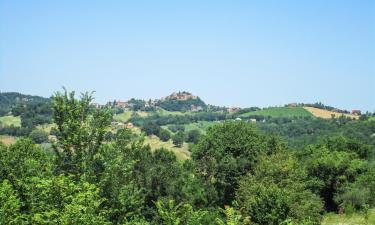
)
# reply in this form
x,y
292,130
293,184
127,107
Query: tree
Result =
x,y
227,152
277,190
39,136
151,129
81,131
193,136
62,200
330,169
164,135
10,204
178,139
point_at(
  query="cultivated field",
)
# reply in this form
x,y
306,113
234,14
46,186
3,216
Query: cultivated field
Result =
x,y
7,140
280,112
325,114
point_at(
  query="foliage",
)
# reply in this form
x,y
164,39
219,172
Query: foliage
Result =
x,y
331,168
178,139
81,131
164,135
229,151
232,217
276,190
39,136
10,204
151,129
193,136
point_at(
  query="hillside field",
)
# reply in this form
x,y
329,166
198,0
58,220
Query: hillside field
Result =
x,y
10,120
280,112
7,140
325,114
123,117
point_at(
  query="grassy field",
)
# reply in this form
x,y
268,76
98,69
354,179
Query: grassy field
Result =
x,y
10,120
353,219
123,117
155,143
280,112
325,114
202,126
163,112
46,127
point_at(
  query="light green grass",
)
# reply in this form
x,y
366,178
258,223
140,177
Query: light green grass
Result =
x,y
10,120
46,127
123,117
280,112
353,219
155,143
202,126
163,112
372,118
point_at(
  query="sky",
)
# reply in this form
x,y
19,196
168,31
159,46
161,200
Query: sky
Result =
x,y
230,53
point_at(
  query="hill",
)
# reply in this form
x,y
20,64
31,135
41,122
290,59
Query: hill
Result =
x,y
279,112
8,100
182,102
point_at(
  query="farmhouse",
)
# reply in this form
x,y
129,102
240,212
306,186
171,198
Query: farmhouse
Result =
x,y
356,112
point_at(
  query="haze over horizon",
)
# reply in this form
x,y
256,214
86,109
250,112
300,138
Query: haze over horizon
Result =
x,y
258,53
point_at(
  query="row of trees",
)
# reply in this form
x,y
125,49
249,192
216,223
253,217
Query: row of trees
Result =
x,y
237,175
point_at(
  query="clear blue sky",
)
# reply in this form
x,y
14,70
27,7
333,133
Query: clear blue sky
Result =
x,y
233,53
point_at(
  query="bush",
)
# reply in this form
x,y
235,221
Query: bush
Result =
x,y
39,136
151,129
164,135
178,139
193,136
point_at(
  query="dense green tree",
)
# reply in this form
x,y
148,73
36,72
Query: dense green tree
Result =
x,y
193,136
276,190
164,135
331,169
229,151
62,200
39,136
151,129
178,139
10,205
81,131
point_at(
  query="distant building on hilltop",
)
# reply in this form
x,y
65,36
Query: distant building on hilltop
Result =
x,y
234,109
356,112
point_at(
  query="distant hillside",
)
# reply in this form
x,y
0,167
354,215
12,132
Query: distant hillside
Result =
x,y
182,102
8,100
279,112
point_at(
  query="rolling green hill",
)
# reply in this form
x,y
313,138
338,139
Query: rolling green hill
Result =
x,y
280,112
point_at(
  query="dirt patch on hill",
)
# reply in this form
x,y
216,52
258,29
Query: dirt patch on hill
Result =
x,y
7,140
325,114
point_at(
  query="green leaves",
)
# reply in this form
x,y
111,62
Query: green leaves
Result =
x,y
10,204
81,131
229,151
